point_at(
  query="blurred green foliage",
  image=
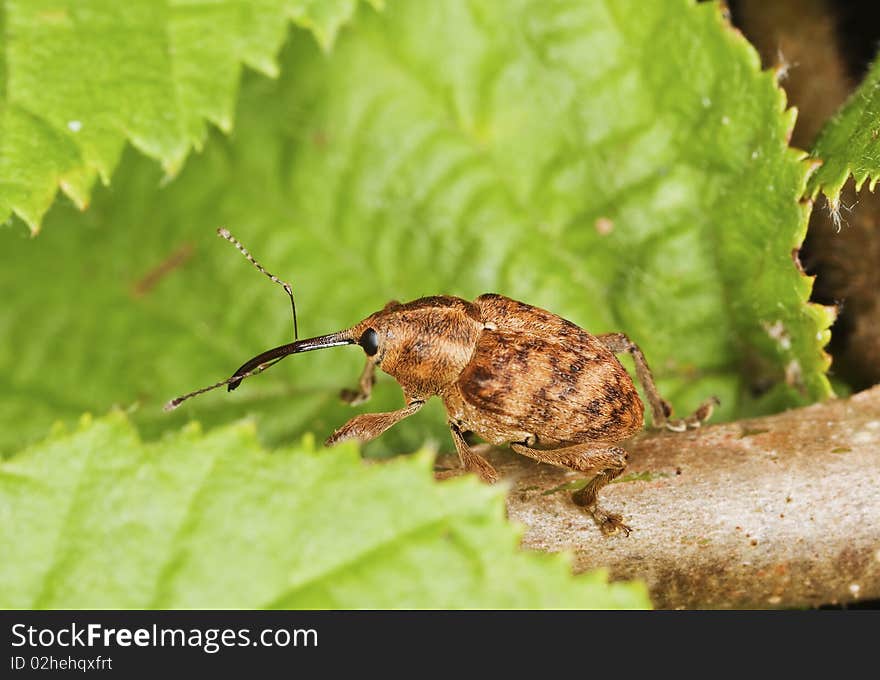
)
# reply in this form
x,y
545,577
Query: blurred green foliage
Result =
x,y
552,152
624,164
199,522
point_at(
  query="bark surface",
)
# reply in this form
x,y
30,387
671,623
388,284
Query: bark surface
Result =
x,y
780,511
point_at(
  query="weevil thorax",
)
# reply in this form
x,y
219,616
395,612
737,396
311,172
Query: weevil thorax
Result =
x,y
423,344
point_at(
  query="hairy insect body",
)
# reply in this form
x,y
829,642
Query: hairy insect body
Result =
x,y
512,374
506,371
424,344
551,380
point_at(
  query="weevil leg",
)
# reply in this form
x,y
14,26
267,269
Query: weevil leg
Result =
x,y
368,376
661,410
365,385
368,426
610,461
471,460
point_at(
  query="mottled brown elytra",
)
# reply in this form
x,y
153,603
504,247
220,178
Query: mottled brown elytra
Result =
x,y
507,372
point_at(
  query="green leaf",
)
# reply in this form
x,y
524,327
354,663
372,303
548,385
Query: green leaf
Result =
x,y
849,144
80,78
629,175
97,519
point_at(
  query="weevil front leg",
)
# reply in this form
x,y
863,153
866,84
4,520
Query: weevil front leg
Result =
x,y
470,459
368,426
610,461
368,375
661,410
365,385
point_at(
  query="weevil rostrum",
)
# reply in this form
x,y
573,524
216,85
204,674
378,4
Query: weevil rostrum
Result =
x,y
508,372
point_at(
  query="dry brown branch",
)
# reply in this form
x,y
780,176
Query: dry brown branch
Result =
x,y
780,511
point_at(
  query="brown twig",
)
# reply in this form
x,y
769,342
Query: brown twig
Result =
x,y
780,511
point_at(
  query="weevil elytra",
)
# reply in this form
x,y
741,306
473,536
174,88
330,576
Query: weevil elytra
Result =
x,y
508,372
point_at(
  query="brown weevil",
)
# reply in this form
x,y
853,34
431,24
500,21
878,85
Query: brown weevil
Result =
x,y
508,372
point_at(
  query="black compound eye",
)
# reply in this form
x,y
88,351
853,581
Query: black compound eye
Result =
x,y
370,342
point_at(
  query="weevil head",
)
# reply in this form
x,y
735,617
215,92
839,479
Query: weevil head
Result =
x,y
423,344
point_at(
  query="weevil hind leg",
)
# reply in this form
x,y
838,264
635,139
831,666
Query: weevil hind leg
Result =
x,y
610,461
365,386
695,419
661,410
470,459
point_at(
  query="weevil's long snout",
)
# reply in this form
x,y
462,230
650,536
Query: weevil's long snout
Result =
x,y
263,361
270,356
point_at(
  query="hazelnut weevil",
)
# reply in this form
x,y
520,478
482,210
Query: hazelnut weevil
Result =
x,y
507,372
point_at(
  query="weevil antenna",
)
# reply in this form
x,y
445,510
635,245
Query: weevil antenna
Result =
x,y
177,401
269,358
224,233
